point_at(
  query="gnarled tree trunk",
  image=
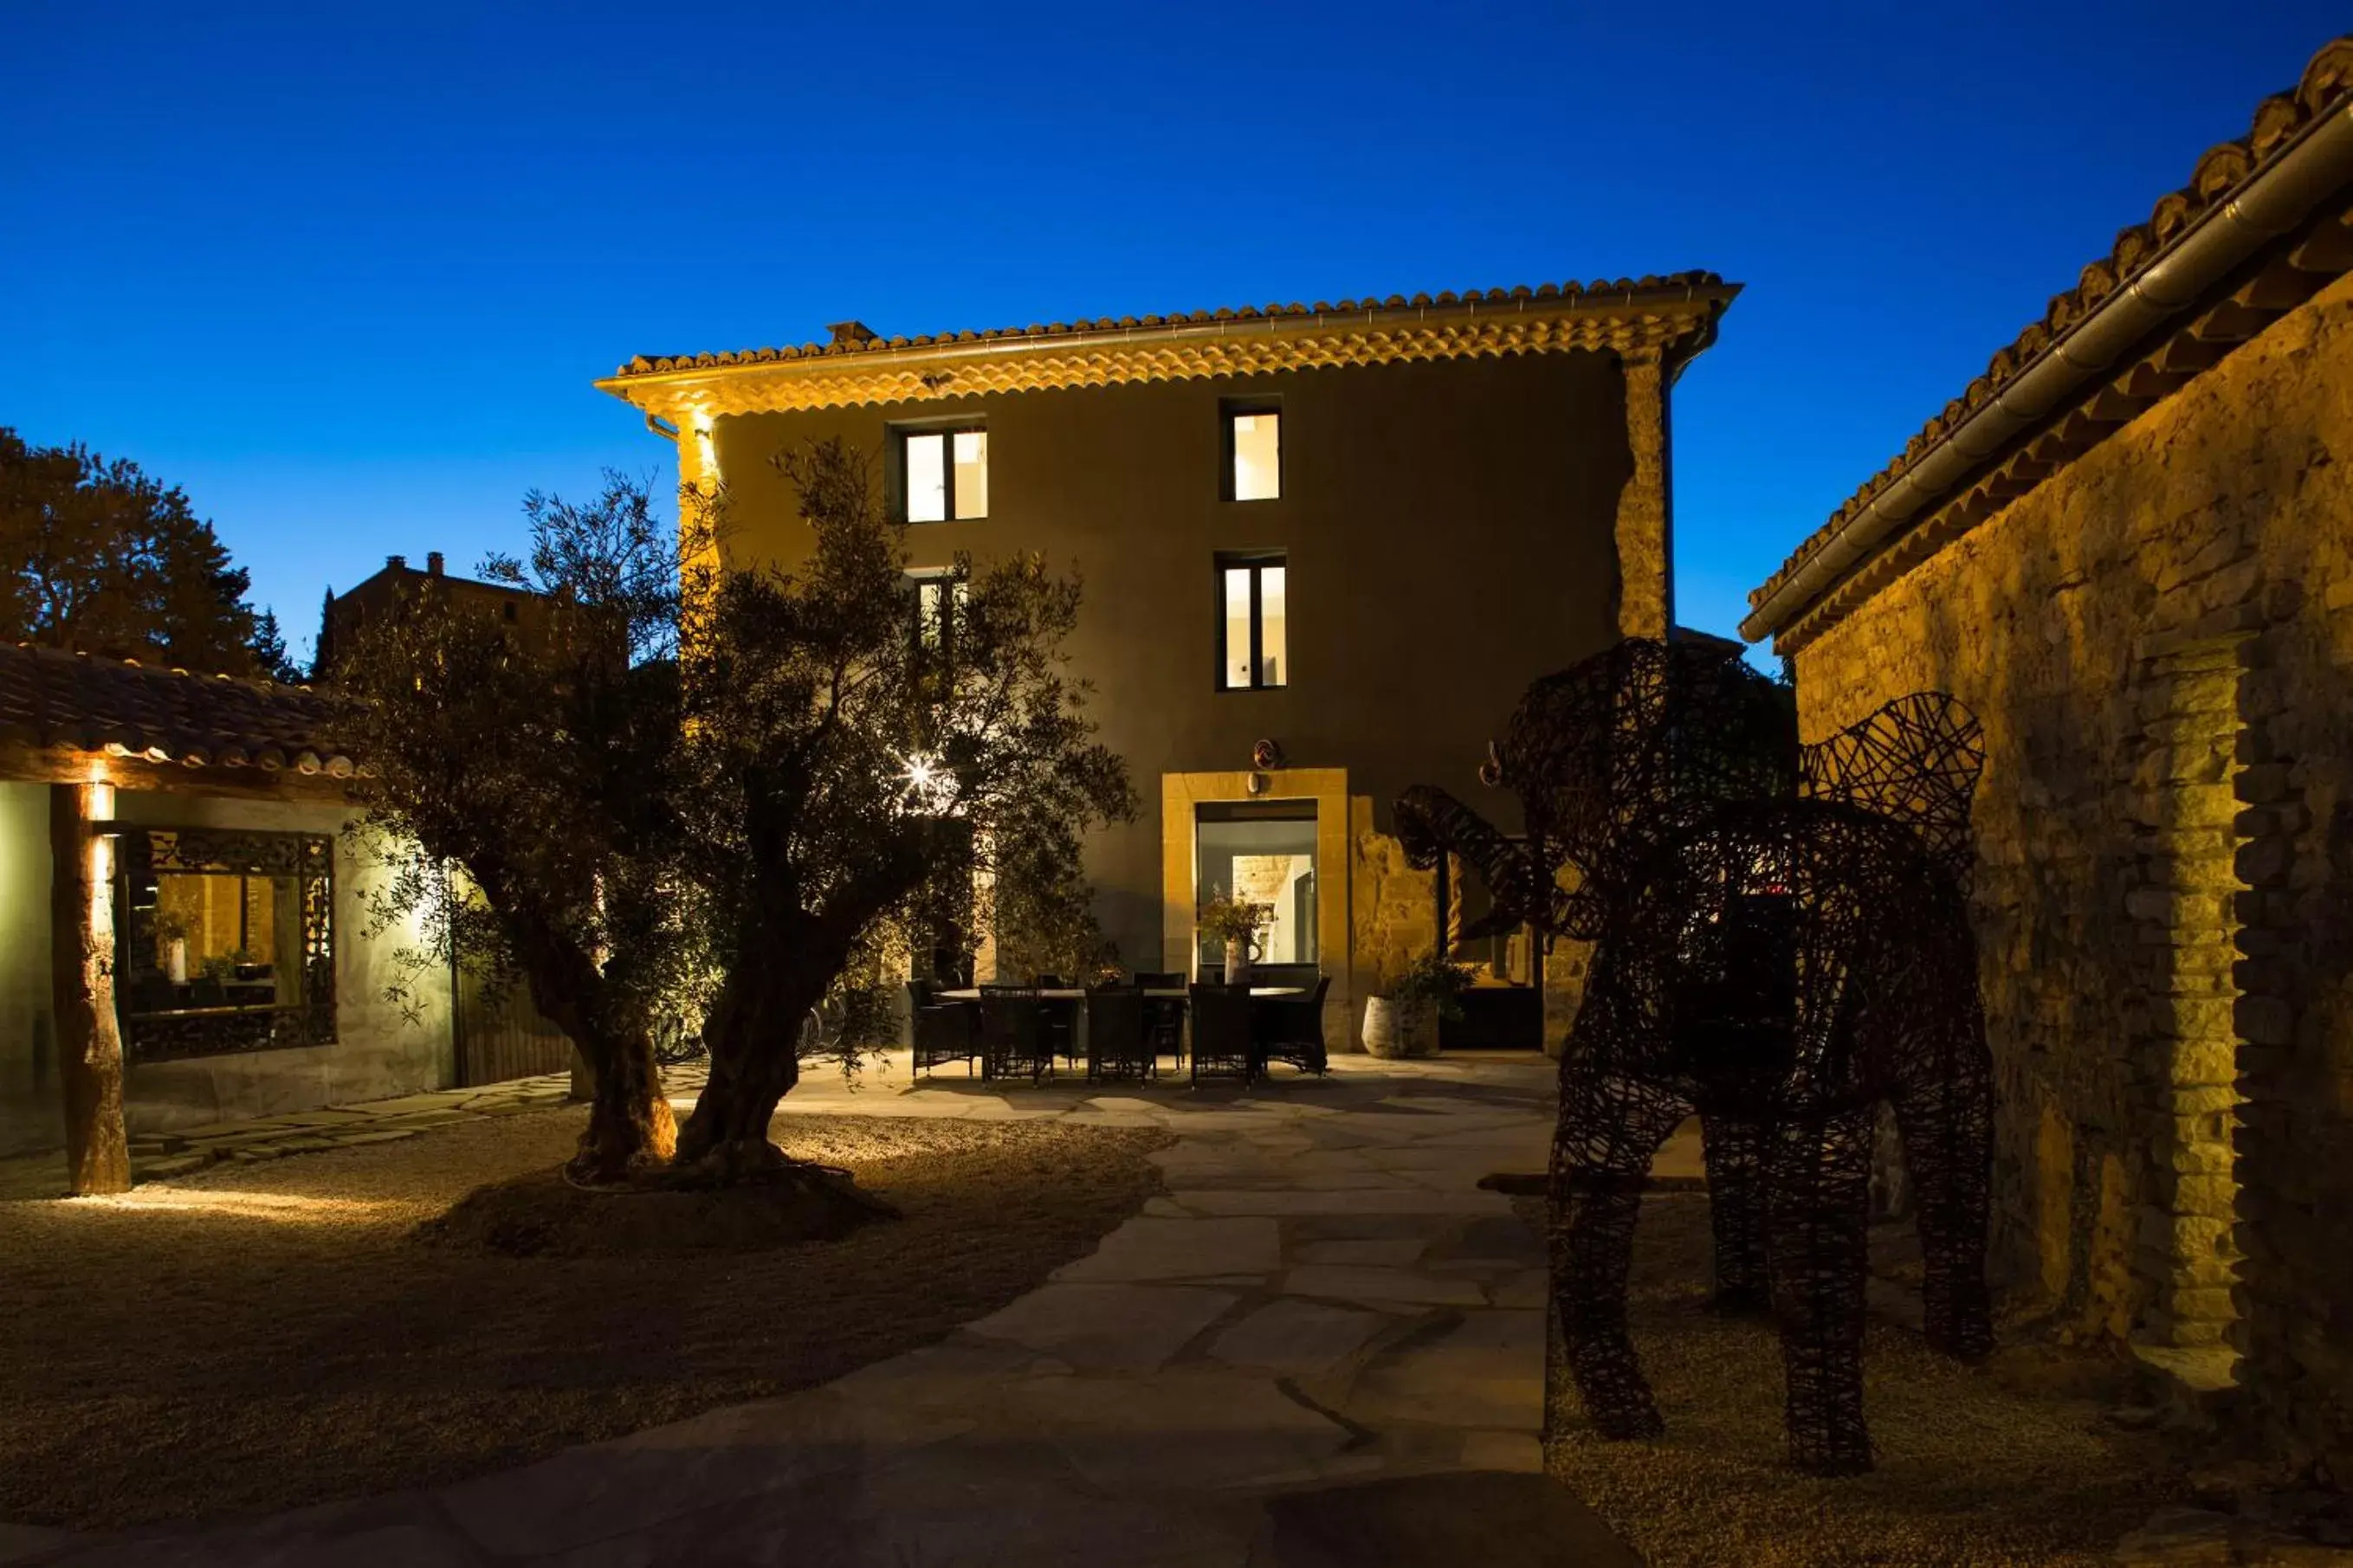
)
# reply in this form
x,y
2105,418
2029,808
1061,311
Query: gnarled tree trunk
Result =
x,y
630,1127
753,1035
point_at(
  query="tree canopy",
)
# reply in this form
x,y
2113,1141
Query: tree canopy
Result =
x,y
97,557
852,756
541,767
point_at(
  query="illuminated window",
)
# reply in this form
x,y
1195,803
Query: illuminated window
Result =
x,y
1253,452
224,942
943,474
1254,622
940,600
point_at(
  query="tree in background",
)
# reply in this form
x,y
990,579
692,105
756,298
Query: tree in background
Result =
x,y
844,760
97,557
539,768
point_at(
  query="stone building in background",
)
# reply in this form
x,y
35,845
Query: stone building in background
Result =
x,y
343,614
2129,547
1323,548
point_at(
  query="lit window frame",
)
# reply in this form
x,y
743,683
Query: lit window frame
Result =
x,y
934,626
1255,561
1228,410
900,437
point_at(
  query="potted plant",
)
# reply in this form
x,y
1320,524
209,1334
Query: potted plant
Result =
x,y
171,931
1402,1021
1235,923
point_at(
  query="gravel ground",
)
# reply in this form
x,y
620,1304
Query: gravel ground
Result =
x,y
2006,1463
256,1337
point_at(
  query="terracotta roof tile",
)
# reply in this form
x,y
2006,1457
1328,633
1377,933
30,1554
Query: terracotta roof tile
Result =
x,y
655,364
51,700
2327,80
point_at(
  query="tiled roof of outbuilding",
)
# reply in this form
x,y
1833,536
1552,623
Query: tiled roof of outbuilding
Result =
x,y
1598,292
2326,81
52,700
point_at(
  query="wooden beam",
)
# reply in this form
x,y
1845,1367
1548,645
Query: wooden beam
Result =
x,y
81,961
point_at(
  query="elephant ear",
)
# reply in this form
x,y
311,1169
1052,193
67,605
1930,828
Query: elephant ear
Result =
x,y
1917,759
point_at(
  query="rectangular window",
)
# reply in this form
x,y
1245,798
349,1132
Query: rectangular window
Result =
x,y
226,942
940,600
943,474
1254,622
1253,452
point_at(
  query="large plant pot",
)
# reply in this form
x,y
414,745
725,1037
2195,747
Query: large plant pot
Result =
x,y
1238,964
1393,1030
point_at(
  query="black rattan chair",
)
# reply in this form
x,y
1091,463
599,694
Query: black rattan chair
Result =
x,y
1164,1016
1290,1028
1062,1019
944,1032
1221,1033
1118,1045
1013,1032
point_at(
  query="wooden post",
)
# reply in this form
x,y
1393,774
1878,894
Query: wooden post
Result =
x,y
82,950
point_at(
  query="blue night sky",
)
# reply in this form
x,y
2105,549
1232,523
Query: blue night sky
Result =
x,y
345,272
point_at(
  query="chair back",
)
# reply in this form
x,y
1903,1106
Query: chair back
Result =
x,y
1012,1028
1222,1030
1114,1025
1159,980
919,994
1116,1038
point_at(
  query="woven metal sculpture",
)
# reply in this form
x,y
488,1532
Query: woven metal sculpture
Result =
x,y
1781,946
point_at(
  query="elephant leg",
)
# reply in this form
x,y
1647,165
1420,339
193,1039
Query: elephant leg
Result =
x,y
1945,1118
1611,1126
1820,1209
1734,1147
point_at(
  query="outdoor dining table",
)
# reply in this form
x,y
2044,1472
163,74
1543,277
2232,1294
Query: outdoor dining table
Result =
x,y
1073,994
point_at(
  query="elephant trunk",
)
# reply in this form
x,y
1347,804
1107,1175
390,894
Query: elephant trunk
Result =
x,y
1431,823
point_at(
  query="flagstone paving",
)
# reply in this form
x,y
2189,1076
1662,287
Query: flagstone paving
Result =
x,y
1322,1320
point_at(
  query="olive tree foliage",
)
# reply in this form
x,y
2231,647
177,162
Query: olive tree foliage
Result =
x,y
840,771
1041,905
520,816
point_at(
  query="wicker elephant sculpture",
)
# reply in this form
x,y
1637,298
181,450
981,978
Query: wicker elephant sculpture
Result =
x,y
1781,947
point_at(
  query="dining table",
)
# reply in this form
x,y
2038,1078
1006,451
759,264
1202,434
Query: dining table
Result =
x,y
1075,994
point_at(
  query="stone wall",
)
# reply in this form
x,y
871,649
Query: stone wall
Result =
x,y
2159,640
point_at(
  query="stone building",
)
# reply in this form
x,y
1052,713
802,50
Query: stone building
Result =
x,y
342,615
2129,546
192,835
1323,549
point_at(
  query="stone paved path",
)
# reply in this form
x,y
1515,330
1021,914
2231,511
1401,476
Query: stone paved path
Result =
x,y
160,1156
1323,1344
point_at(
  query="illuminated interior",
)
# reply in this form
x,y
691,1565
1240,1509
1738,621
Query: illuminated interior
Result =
x,y
1258,456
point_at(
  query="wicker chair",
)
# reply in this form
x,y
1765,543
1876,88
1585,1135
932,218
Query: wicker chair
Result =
x,y
1290,1028
1061,1018
945,1031
1221,1033
1013,1032
1117,1042
1164,1016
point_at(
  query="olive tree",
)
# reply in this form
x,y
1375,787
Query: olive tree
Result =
x,y
846,756
535,760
